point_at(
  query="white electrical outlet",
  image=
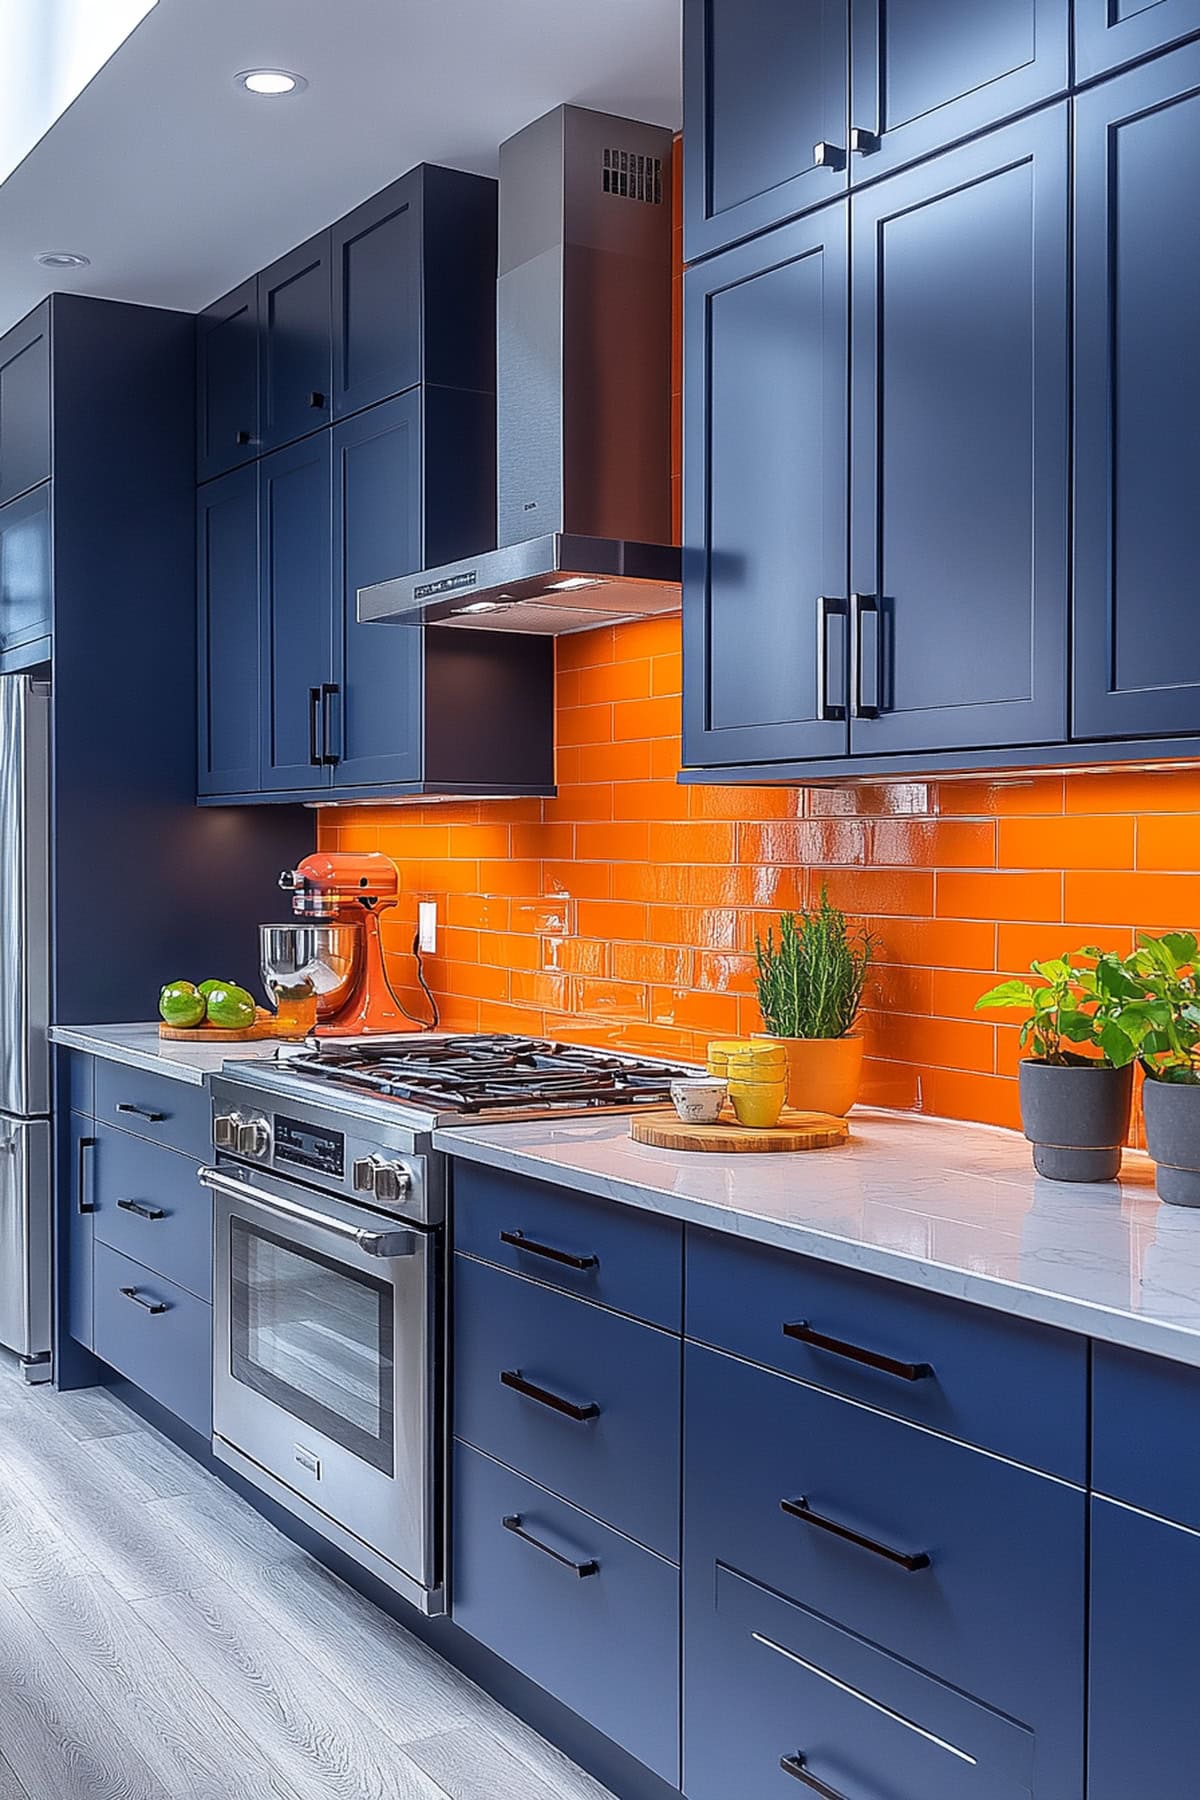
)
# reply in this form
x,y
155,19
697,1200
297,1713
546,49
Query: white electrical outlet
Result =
x,y
427,927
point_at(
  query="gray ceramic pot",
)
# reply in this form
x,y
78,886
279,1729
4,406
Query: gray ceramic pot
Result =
x,y
1173,1138
1076,1117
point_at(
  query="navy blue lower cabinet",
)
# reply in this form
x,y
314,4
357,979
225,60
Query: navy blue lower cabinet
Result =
x,y
1143,1724
780,1702
959,417
954,1561
77,1216
25,570
765,450
1137,390
966,1371
583,1611
295,512
1145,1449
155,1107
149,1205
227,567
1111,32
156,1334
628,1260
584,1401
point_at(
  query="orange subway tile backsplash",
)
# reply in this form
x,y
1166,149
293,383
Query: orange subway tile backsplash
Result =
x,y
624,911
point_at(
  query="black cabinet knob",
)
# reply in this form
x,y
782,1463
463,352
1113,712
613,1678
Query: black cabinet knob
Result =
x,y
829,156
241,437
864,142
317,401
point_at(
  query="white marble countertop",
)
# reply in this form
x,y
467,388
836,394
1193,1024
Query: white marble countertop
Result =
x,y
140,1047
955,1209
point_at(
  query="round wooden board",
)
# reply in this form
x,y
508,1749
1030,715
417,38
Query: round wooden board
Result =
x,y
263,1027
795,1131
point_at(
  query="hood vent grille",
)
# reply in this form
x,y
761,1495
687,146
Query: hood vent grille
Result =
x,y
632,176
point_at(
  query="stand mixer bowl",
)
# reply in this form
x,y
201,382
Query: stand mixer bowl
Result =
x,y
302,961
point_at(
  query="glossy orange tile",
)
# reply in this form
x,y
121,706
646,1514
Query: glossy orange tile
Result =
x,y
656,718
1074,842
613,919
934,843
835,841
1168,841
1020,945
1148,901
652,962
626,679
998,894
589,724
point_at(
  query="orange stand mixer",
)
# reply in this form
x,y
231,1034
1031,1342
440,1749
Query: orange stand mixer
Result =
x,y
334,953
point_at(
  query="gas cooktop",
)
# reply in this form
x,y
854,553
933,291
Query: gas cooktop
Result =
x,y
466,1078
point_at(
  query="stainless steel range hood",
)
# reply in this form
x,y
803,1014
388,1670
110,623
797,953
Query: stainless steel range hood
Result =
x,y
583,396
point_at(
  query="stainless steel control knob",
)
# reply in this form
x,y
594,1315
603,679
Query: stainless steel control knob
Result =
x,y
225,1130
254,1138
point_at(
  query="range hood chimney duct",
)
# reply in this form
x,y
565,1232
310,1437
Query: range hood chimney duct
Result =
x,y
583,396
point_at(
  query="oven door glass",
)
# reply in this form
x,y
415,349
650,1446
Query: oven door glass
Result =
x,y
315,1337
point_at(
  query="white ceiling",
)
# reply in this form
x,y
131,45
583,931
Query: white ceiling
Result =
x,y
178,184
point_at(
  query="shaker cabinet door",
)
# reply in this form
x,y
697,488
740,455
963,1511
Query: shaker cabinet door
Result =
x,y
25,405
228,630
295,345
296,585
925,73
764,114
227,431
1137,397
377,530
1109,33
765,449
959,498
377,298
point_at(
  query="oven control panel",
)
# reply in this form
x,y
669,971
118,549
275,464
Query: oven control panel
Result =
x,y
314,1147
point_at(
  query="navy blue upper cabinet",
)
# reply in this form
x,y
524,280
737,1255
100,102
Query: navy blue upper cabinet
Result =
x,y
414,273
1111,32
765,84
1144,1730
228,648
765,498
1137,393
959,418
377,531
925,73
295,344
227,426
295,615
25,405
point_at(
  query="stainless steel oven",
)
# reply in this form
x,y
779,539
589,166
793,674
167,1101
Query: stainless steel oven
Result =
x,y
327,1333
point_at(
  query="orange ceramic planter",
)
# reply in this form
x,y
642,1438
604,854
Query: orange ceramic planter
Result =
x,y
823,1073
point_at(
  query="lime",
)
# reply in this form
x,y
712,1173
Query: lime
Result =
x,y
231,1008
208,987
181,1005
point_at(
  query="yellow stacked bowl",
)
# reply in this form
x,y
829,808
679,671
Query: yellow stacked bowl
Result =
x,y
756,1070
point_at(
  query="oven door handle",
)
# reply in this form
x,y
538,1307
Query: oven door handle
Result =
x,y
371,1243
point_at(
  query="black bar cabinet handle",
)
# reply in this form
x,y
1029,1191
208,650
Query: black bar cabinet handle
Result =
x,y
828,608
512,1522
863,607
872,1359
314,727
796,1765
85,1205
519,1241
513,1378
150,1306
904,1559
143,1212
331,695
141,1112
316,400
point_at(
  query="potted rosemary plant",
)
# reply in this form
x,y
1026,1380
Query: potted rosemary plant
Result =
x,y
810,987
1083,1025
1166,969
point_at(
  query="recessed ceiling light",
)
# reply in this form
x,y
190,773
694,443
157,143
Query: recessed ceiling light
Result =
x,y
63,259
272,83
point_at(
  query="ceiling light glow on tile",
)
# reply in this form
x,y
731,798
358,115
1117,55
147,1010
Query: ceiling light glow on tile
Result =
x,y
63,259
271,83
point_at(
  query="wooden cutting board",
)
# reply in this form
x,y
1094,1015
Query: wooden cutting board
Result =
x,y
263,1027
795,1131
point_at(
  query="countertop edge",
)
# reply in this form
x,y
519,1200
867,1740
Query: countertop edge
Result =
x,y
1062,1312
71,1037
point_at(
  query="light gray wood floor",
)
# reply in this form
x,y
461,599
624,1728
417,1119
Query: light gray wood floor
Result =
x,y
160,1641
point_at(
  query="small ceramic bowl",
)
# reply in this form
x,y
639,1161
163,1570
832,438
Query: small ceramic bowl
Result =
x,y
699,1099
758,1103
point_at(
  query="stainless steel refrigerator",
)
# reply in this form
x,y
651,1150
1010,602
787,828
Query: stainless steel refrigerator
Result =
x,y
25,1128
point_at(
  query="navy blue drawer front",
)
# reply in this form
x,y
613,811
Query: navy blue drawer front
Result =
x,y
588,1615
156,1334
584,1401
774,1694
1145,1441
149,1204
1011,1387
155,1107
968,1566
630,1261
